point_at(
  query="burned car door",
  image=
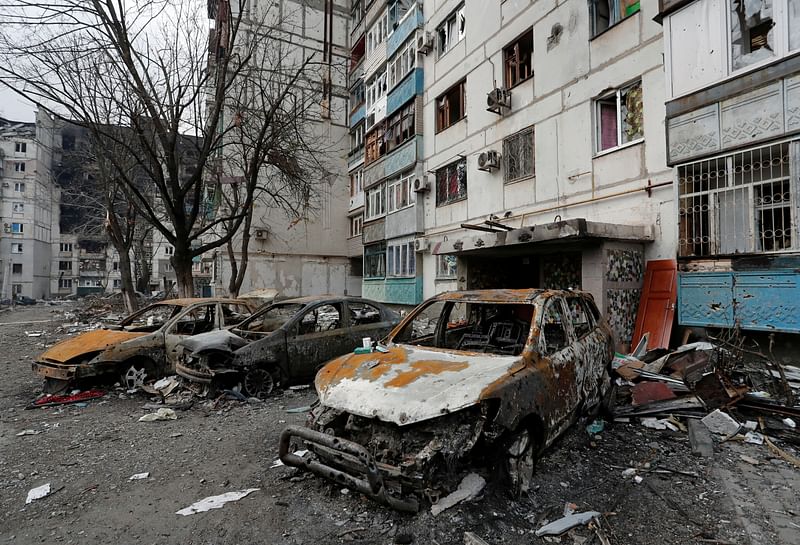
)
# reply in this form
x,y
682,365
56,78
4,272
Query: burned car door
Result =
x,y
320,334
194,320
367,320
592,349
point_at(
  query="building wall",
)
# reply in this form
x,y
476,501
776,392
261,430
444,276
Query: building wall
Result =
x,y
570,70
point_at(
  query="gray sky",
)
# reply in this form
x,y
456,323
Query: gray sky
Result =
x,y
13,107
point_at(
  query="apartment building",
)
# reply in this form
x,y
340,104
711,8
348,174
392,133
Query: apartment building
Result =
x,y
386,86
29,205
733,141
544,154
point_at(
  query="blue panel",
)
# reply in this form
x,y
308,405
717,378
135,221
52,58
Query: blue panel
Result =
x,y
767,301
705,299
357,116
401,158
753,300
408,88
397,291
405,29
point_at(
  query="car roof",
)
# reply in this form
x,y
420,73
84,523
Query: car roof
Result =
x,y
309,299
186,301
526,295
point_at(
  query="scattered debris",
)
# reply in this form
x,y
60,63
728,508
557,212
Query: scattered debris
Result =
x,y
721,423
160,414
754,438
472,539
558,527
789,423
38,493
139,476
278,463
303,409
595,427
468,489
28,432
648,392
749,460
53,400
134,379
215,502
700,439
34,333
659,424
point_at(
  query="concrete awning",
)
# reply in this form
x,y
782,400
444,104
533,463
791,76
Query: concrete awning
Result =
x,y
568,230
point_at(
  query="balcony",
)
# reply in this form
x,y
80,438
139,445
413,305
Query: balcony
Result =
x,y
408,25
409,87
357,115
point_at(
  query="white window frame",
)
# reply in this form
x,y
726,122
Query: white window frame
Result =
x,y
16,247
598,120
18,207
169,250
20,228
19,187
401,260
20,147
392,189
446,272
448,27
403,62
375,202
19,166
378,32
65,247
65,283
356,226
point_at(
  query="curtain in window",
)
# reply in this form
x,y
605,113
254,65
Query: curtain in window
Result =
x,y
608,125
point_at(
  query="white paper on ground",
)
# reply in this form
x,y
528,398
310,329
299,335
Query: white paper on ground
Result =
x,y
215,502
38,493
139,476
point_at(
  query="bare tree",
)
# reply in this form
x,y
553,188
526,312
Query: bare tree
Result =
x,y
145,65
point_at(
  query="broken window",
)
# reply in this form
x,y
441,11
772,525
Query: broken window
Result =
x,y
451,182
518,155
446,266
376,144
363,313
326,317
579,317
403,62
400,127
17,228
752,32
233,313
375,261
150,318
270,318
65,265
398,10
738,203
607,13
452,30
16,247
421,329
517,58
619,117
553,330
451,106
18,207
195,321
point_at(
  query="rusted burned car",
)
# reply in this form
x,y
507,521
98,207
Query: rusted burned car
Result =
x,y
284,343
146,339
487,378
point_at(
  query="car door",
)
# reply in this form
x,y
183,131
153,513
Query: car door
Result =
x,y
319,334
193,320
367,320
591,344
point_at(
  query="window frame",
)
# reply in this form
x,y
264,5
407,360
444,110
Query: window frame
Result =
x,y
18,207
401,259
442,272
460,195
400,126
442,106
62,266
20,147
16,248
65,283
616,94
17,228
19,166
356,225
16,268
393,186
506,58
406,53
506,156
375,197
446,44
375,143
375,253
611,24
356,182
65,247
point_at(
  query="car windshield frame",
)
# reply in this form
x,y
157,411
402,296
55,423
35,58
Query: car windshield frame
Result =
x,y
242,327
177,309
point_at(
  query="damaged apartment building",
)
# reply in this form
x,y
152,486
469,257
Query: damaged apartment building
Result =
x,y
733,140
531,155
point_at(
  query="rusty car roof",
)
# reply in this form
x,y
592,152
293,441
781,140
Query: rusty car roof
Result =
x,y
306,299
526,295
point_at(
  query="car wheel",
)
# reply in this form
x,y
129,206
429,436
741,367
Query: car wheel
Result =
x,y
259,382
521,455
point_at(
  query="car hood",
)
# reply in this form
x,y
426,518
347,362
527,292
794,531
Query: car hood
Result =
x,y
86,343
409,384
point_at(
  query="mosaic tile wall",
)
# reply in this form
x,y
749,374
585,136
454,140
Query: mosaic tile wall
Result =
x,y
621,312
624,265
561,271
624,277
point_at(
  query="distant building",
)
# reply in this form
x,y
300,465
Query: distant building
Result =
x,y
28,204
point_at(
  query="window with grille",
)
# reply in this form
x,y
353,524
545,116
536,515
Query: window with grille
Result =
x,y
518,152
451,182
740,203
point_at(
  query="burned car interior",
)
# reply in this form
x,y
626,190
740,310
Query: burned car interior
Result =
x,y
492,328
149,319
268,320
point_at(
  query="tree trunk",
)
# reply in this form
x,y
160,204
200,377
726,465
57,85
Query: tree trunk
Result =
x,y
182,263
128,289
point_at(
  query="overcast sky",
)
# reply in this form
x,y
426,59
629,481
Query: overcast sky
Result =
x,y
13,107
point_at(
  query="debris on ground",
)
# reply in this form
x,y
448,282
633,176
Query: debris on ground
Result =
x,y
469,488
160,414
279,463
558,527
721,423
38,493
139,476
28,432
215,502
53,400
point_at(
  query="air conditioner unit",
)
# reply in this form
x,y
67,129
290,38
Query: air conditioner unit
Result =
x,y
421,244
261,233
498,100
421,185
5,184
488,161
425,43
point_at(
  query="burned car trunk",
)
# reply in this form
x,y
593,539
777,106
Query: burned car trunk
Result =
x,y
485,378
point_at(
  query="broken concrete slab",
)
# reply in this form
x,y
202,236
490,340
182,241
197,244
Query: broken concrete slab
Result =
x,y
472,539
721,423
558,527
700,439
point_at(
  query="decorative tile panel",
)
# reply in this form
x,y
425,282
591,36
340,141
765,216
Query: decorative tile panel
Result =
x,y
621,307
752,116
693,134
792,90
625,265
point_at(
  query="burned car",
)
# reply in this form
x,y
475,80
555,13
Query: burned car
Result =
x,y
146,340
487,378
283,343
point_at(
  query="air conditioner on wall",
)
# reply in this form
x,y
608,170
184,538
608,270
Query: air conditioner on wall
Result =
x,y
421,244
498,100
425,43
488,161
261,233
421,185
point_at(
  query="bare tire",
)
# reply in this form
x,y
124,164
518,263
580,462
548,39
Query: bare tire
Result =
x,y
521,456
259,382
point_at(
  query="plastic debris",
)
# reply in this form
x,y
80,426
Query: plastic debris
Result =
x,y
630,472
659,424
469,488
215,502
638,479
160,414
558,527
76,397
720,423
754,438
38,493
596,427
789,422
278,463
28,432
139,476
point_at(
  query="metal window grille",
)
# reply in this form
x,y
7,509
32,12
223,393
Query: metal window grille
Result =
x,y
740,203
518,156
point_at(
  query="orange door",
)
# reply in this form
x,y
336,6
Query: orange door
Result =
x,y
657,305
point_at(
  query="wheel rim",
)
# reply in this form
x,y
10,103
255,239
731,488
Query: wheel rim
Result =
x,y
259,383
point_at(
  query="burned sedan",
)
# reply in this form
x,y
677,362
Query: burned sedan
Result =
x,y
284,343
487,378
146,340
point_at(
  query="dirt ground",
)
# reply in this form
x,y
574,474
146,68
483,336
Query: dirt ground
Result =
x,y
87,454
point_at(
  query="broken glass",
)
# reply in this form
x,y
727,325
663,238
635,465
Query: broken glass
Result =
x,y
752,32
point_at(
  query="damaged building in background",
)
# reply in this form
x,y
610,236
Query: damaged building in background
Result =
x,y
733,141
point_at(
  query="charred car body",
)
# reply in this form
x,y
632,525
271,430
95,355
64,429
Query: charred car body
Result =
x,y
476,377
284,343
147,339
